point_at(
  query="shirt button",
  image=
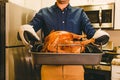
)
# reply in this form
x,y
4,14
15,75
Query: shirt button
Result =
x,y
63,22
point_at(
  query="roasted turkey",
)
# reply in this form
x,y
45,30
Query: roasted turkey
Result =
x,y
65,42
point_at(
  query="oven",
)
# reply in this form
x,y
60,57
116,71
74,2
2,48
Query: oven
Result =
x,y
101,71
100,15
95,74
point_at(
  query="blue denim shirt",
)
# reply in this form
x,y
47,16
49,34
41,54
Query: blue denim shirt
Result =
x,y
70,19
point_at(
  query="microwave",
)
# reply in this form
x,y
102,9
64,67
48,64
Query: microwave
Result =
x,y
101,16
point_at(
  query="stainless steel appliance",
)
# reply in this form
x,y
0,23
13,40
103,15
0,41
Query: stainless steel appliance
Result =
x,y
16,57
101,15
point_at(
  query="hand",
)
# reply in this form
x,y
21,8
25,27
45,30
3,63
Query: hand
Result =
x,y
27,29
101,37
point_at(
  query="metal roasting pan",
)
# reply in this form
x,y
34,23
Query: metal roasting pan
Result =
x,y
66,58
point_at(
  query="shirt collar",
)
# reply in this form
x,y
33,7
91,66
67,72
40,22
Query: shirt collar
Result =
x,y
56,7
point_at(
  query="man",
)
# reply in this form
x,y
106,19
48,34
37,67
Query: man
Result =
x,y
61,16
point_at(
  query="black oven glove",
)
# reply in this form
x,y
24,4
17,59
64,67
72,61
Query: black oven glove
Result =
x,y
91,48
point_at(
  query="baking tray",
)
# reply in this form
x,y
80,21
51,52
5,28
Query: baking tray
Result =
x,y
66,59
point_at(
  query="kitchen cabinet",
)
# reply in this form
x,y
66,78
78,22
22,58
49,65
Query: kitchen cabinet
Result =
x,y
115,75
115,72
47,3
102,1
117,14
79,2
90,2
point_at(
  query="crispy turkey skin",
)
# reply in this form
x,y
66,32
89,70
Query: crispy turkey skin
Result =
x,y
63,42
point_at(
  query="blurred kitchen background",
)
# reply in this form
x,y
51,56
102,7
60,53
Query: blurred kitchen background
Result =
x,y
15,61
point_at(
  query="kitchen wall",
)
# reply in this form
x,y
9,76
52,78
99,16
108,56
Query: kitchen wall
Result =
x,y
115,36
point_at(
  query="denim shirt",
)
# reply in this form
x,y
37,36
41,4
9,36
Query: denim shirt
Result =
x,y
70,19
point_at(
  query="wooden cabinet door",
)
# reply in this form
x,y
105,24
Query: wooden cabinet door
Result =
x,y
117,14
102,1
47,3
79,2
